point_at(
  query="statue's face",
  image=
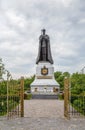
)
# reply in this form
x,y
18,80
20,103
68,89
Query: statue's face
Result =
x,y
43,32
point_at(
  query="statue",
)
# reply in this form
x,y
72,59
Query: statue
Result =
x,y
44,53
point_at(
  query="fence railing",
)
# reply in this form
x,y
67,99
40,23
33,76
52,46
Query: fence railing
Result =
x,y
77,105
74,104
12,98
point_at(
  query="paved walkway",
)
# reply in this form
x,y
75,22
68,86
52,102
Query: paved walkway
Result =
x,y
43,115
44,108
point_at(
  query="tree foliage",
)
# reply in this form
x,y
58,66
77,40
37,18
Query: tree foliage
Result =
x,y
2,69
78,83
28,81
59,76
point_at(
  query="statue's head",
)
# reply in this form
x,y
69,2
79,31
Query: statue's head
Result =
x,y
43,31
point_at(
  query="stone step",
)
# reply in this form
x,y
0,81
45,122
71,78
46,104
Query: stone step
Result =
x,y
44,96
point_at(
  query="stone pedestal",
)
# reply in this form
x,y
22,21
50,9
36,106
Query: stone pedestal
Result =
x,y
44,82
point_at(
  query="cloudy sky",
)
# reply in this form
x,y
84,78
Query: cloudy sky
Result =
x,y
21,22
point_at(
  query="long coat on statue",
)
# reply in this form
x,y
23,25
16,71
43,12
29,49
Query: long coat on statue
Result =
x,y
44,52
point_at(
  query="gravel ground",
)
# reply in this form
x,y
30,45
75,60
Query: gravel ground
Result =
x,y
43,115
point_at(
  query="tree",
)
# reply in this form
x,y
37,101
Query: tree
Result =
x,y
59,76
2,69
77,83
28,81
66,74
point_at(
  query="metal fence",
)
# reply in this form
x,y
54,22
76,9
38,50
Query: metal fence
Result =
x,y
12,98
74,104
77,106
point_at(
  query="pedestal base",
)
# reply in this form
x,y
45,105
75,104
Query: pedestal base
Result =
x,y
45,86
44,83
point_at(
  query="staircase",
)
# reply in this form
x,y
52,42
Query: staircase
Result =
x,y
44,96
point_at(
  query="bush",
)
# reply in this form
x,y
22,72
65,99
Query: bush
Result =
x,y
61,96
27,96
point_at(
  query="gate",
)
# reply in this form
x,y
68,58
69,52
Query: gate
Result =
x,y
74,104
66,98
11,98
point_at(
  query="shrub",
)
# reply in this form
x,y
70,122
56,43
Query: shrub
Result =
x,y
27,96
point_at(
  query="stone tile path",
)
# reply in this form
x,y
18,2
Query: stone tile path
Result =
x,y
43,115
44,108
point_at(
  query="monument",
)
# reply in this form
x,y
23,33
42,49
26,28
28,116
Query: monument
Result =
x,y
44,82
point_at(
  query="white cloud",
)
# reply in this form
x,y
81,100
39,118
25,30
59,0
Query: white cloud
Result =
x,y
20,26
82,21
67,2
16,19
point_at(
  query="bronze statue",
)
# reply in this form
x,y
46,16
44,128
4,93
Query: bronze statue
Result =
x,y
44,53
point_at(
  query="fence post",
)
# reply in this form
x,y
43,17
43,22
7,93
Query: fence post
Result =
x,y
66,97
8,76
22,96
7,98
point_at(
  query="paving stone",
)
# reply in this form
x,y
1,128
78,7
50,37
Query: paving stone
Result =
x,y
43,115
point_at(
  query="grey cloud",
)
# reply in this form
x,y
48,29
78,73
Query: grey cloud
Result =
x,y
21,23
